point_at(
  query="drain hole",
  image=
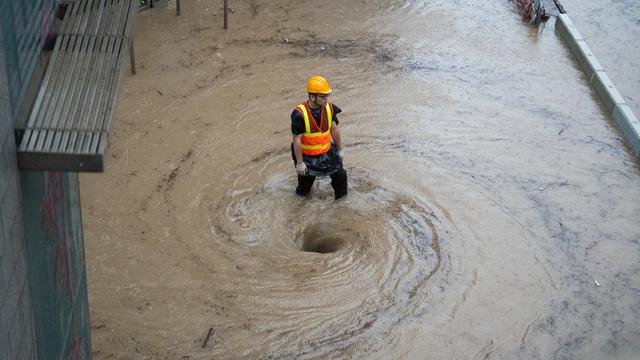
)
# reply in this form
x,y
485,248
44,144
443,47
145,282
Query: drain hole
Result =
x,y
322,245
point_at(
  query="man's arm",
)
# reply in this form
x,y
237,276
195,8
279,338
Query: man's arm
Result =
x,y
301,167
297,146
335,134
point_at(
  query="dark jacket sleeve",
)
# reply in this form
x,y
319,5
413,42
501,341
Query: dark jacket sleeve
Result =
x,y
336,111
297,123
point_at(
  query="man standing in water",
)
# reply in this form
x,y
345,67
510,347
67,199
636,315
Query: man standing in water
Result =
x,y
317,146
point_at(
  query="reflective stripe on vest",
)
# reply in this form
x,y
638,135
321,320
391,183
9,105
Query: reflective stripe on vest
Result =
x,y
314,140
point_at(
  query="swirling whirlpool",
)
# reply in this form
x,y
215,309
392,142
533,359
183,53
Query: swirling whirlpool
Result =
x,y
324,275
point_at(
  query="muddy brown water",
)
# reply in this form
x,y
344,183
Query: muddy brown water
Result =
x,y
488,192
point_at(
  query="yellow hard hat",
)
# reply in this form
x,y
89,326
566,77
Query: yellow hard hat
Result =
x,y
318,85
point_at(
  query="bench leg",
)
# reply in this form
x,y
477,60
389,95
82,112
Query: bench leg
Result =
x,y
226,10
132,57
177,7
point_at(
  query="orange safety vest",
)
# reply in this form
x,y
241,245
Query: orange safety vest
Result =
x,y
316,140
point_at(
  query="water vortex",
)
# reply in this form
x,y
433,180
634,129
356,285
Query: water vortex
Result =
x,y
353,266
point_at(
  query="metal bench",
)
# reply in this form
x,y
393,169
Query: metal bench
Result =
x,y
69,124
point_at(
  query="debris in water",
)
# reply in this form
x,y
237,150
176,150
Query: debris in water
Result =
x,y
532,10
206,340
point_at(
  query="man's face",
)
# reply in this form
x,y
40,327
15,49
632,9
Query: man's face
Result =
x,y
320,99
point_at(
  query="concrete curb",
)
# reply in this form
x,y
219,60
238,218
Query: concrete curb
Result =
x,y
614,102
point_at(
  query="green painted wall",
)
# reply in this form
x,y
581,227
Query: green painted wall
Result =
x,y
56,262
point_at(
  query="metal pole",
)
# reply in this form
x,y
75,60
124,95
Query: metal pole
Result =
x,y
132,56
226,10
178,8
560,7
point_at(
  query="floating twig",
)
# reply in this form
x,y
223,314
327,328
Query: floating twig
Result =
x,y
206,340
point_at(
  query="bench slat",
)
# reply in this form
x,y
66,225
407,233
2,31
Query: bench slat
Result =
x,y
42,101
69,79
110,92
85,70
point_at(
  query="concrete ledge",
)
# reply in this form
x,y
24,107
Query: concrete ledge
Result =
x,y
568,31
611,98
630,127
578,46
588,62
607,91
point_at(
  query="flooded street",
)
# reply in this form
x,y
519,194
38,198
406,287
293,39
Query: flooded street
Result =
x,y
492,211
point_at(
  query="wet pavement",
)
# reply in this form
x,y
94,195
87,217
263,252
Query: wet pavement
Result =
x,y
492,210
